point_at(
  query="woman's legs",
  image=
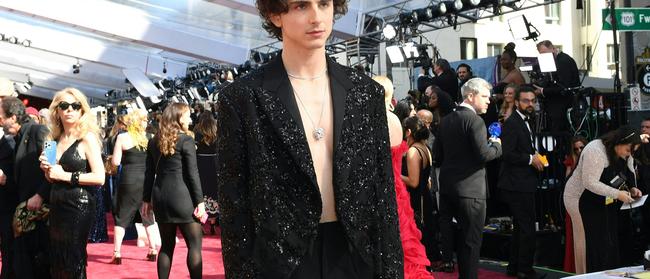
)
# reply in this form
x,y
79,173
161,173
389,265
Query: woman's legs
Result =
x,y
117,241
166,254
193,234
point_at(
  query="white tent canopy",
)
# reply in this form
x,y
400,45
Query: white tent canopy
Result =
x,y
107,36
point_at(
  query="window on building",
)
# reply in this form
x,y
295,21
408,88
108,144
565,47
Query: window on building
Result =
x,y
586,12
468,48
552,13
587,55
610,54
494,49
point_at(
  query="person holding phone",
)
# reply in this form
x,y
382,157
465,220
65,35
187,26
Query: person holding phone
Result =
x,y
76,172
590,197
173,188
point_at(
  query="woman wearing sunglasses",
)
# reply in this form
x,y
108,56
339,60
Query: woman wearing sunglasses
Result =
x,y
75,178
603,175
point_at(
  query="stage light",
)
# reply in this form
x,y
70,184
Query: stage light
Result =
x,y
422,15
470,3
12,40
406,19
76,68
453,6
26,43
395,54
390,32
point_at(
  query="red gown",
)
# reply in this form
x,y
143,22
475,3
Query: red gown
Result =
x,y
415,258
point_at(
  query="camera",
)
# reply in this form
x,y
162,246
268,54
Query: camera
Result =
x,y
619,182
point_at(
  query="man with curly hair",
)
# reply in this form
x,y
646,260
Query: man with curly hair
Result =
x,y
304,169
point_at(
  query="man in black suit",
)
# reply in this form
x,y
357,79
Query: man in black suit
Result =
x,y
461,152
518,182
555,96
8,195
445,79
31,254
304,169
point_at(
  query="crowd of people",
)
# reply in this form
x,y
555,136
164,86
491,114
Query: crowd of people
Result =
x,y
313,170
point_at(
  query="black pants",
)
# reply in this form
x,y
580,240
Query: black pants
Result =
x,y
522,242
331,257
470,214
7,245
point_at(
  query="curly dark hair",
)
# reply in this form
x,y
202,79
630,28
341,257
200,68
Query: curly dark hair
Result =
x,y
267,8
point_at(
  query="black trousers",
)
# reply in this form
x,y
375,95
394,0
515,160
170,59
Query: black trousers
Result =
x,y
7,245
522,242
470,214
331,257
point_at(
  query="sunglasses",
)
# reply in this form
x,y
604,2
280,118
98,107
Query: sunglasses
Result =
x,y
66,105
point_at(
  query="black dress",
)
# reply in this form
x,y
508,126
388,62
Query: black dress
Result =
x,y
600,223
424,205
72,213
206,158
129,193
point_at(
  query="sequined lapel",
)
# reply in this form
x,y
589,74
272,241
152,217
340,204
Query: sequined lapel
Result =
x,y
285,117
340,84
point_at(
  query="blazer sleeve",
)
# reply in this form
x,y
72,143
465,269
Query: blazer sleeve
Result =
x,y
150,171
510,141
486,151
237,235
567,75
40,136
391,246
191,170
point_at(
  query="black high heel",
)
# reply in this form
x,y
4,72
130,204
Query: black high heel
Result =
x,y
117,258
152,255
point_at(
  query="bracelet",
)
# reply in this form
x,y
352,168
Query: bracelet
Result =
x,y
74,180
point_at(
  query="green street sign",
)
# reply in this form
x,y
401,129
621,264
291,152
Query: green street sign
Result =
x,y
628,19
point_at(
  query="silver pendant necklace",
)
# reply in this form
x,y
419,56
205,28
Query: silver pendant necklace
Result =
x,y
319,132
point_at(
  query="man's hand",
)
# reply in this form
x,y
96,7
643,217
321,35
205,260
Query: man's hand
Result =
x,y
495,140
537,163
538,90
34,203
635,193
3,178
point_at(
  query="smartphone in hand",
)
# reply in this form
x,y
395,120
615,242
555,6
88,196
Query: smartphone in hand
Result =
x,y
50,151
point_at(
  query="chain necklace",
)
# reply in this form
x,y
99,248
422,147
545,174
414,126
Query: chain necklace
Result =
x,y
319,132
308,78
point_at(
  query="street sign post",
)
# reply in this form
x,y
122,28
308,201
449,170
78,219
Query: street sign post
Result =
x,y
628,19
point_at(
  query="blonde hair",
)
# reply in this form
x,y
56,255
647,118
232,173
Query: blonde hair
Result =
x,y
169,127
136,130
388,90
86,124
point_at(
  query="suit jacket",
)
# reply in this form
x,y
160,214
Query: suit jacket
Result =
x,y
516,174
268,195
555,98
28,176
461,152
176,189
447,81
8,194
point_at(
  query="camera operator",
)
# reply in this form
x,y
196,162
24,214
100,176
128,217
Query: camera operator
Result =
x,y
605,172
445,79
556,95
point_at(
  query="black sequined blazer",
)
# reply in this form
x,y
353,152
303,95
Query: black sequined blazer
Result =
x,y
269,199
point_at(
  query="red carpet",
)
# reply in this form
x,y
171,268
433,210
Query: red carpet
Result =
x,y
135,266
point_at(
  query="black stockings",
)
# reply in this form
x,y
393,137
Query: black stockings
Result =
x,y
193,235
